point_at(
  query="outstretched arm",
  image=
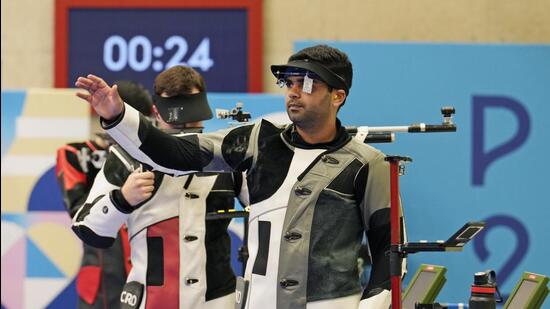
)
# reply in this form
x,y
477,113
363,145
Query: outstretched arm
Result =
x,y
227,150
104,99
220,151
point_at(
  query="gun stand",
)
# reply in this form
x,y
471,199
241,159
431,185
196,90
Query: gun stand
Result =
x,y
399,250
396,256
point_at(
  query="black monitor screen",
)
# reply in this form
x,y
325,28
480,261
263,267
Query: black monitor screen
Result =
x,y
419,288
523,294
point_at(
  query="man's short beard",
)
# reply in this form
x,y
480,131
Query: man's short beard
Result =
x,y
307,119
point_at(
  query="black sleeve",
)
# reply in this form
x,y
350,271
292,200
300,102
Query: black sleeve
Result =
x,y
179,153
379,239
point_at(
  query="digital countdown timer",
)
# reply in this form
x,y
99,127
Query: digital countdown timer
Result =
x,y
138,52
137,39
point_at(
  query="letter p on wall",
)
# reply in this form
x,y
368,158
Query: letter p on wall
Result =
x,y
482,158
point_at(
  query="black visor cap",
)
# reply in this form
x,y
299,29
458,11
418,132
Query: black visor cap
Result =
x,y
182,109
328,76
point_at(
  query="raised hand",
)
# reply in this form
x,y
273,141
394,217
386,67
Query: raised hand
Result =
x,y
103,99
138,187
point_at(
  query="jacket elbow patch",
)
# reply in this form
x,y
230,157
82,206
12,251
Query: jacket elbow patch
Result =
x,y
91,238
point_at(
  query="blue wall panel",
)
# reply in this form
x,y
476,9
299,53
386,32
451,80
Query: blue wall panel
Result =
x,y
493,168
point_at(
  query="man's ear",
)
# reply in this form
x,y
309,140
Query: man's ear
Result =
x,y
338,97
156,114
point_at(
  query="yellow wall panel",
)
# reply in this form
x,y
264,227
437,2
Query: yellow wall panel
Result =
x,y
54,103
16,191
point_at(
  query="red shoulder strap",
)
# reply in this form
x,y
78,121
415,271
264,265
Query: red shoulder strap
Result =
x,y
64,168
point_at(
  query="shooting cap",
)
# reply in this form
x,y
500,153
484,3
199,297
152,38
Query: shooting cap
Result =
x,y
307,66
181,109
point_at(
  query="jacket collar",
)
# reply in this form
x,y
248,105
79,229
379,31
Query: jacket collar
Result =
x,y
291,136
